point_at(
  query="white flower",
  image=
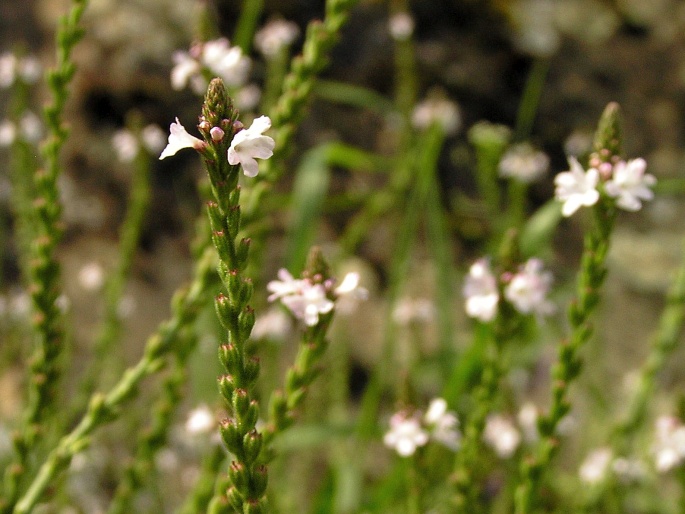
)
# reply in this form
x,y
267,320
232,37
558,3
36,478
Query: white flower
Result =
x,y
226,61
249,144
630,184
309,303
200,420
125,145
31,127
8,133
528,421
443,423
153,138
595,466
405,434
501,434
437,110
350,286
480,291
576,188
179,139
91,277
186,70
401,26
527,290
30,69
524,163
669,443
413,310
8,69
286,285
274,36
274,325
247,98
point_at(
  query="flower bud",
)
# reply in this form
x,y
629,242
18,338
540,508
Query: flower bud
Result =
x,y
216,134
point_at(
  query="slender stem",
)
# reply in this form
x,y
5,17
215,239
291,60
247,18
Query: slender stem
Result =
x,y
105,408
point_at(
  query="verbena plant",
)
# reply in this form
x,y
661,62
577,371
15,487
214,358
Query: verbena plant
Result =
x,y
439,428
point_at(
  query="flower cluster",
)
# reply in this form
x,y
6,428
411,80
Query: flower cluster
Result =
x,y
274,36
12,68
626,182
126,144
309,297
437,109
410,430
216,58
523,162
526,290
28,129
669,443
601,462
246,146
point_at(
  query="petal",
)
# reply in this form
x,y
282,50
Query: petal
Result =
x,y
260,125
250,167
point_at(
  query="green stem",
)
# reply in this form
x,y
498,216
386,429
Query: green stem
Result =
x,y
104,409
663,344
530,100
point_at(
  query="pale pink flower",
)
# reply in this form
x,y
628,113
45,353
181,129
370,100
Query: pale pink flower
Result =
x,y
630,184
596,465
180,139
501,434
576,187
443,424
480,291
527,290
405,434
523,162
274,36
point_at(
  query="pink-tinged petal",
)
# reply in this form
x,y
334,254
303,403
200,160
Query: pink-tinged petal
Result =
x,y
180,139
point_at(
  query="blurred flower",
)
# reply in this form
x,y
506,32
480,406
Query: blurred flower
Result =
x,y
405,434
286,285
309,303
217,57
247,98
629,470
443,424
630,184
501,434
578,143
91,276
523,162
576,188
249,144
536,32
200,421
274,325
480,291
274,36
413,310
669,443
31,127
187,70
180,139
527,290
226,61
29,69
125,145
595,466
8,133
436,109
528,421
306,299
153,138
8,69
401,26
